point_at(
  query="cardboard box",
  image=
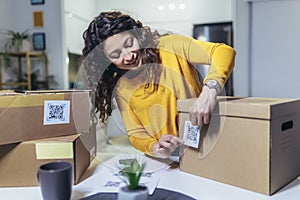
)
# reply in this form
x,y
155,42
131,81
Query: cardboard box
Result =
x,y
42,114
252,143
19,162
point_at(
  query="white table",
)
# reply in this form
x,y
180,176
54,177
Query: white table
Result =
x,y
205,189
174,179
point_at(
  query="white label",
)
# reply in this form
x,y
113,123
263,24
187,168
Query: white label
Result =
x,y
191,135
56,112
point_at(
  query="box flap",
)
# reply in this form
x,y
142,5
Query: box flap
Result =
x,y
19,92
49,91
18,100
68,138
82,159
8,93
249,107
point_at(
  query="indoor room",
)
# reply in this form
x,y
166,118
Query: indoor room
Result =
x,y
172,99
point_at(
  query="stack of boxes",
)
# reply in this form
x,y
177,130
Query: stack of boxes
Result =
x,y
252,143
40,127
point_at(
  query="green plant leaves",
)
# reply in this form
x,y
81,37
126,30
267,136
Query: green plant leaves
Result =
x,y
132,170
16,38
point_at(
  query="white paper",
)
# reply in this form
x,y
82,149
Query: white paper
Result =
x,y
106,177
151,164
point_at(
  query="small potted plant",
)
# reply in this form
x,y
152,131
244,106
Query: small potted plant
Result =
x,y
16,42
20,41
132,171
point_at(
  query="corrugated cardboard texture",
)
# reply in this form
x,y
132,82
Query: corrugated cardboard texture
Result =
x,y
258,152
19,162
22,116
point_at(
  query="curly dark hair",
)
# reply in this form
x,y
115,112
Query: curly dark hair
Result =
x,y
100,75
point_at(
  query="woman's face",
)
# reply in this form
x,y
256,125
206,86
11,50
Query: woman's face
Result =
x,y
123,50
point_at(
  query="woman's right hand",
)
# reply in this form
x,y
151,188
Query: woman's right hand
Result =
x,y
202,108
166,145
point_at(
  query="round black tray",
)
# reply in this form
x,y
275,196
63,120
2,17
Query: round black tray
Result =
x,y
158,194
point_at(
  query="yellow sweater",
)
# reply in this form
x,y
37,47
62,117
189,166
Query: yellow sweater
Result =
x,y
147,114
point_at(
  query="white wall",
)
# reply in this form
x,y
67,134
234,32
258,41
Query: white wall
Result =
x,y
275,49
241,75
267,43
78,15
5,22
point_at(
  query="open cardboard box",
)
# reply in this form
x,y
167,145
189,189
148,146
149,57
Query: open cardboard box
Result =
x,y
252,143
35,115
19,162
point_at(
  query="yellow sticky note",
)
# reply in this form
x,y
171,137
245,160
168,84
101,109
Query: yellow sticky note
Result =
x,y
55,150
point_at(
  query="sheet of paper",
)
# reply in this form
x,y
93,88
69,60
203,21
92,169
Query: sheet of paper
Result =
x,y
107,177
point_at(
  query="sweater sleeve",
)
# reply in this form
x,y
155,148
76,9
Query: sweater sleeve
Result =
x,y
219,56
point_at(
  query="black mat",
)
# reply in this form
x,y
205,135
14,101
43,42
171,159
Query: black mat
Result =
x,y
158,194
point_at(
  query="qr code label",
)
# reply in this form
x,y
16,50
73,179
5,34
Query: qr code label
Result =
x,y
56,112
191,135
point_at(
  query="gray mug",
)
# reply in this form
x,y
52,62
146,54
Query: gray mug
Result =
x,y
55,179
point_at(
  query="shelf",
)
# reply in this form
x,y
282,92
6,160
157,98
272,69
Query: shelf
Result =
x,y
27,56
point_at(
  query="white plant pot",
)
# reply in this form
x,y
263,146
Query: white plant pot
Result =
x,y
141,193
26,46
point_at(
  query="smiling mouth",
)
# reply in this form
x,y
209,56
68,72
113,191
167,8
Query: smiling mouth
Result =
x,y
134,62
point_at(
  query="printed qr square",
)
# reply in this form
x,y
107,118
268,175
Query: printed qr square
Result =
x,y
191,135
56,112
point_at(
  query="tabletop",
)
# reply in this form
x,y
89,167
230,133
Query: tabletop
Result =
x,y
171,179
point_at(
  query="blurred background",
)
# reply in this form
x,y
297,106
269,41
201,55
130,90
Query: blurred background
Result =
x,y
265,34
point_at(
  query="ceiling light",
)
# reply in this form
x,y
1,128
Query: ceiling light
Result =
x,y
172,6
161,7
181,6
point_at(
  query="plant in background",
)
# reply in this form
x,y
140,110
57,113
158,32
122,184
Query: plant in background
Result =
x,y
16,39
6,59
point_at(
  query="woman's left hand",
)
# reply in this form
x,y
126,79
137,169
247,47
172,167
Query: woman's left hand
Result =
x,y
166,145
202,108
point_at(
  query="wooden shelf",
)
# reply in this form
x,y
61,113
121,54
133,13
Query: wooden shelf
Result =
x,y
27,56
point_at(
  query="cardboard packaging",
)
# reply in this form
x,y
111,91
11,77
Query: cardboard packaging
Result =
x,y
251,143
19,162
42,114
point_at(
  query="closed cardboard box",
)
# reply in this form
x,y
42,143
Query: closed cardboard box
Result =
x,y
252,143
42,114
19,162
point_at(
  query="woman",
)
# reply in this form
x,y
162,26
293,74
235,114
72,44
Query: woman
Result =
x,y
147,73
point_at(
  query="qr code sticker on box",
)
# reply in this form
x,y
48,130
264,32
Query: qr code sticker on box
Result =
x,y
191,135
56,112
